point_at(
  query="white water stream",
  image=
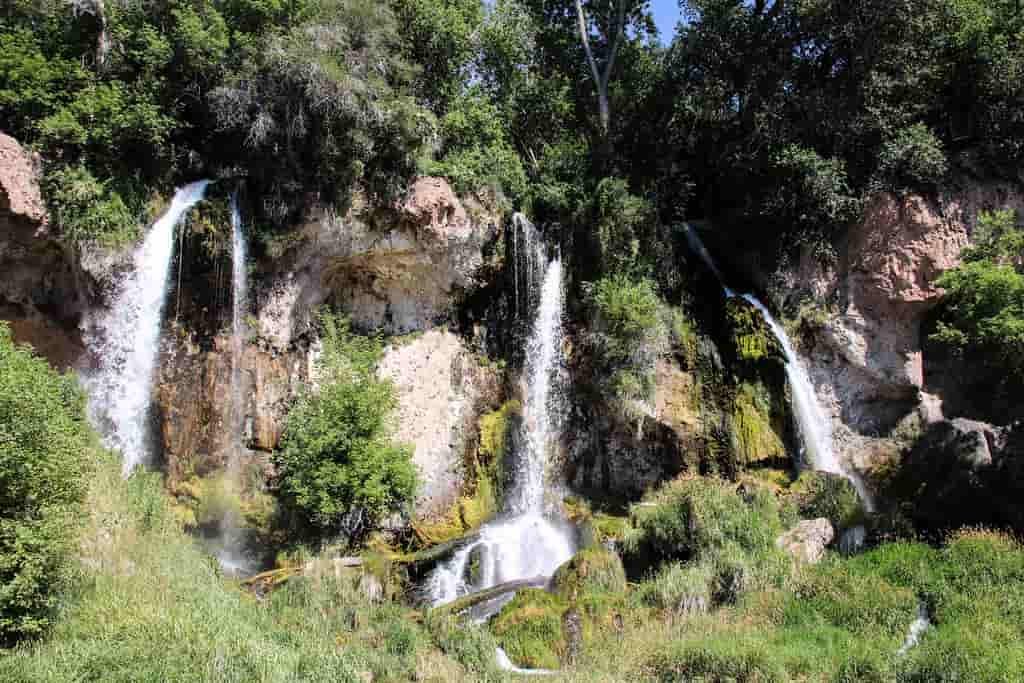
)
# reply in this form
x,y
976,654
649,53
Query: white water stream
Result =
x,y
126,338
529,540
230,546
813,424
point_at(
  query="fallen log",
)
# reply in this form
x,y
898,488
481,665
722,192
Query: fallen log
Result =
x,y
467,601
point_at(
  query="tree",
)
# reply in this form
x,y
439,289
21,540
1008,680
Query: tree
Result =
x,y
44,445
337,468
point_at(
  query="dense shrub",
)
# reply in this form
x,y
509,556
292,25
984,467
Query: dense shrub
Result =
x,y
45,445
529,628
983,307
820,494
338,469
912,160
628,335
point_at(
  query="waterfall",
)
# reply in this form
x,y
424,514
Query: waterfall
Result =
x,y
528,540
127,339
813,425
230,546
239,307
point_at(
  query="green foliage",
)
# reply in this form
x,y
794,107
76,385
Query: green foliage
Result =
x,y
819,494
623,222
86,208
338,470
143,578
594,571
680,587
45,443
745,660
707,521
816,199
984,301
912,160
475,152
628,335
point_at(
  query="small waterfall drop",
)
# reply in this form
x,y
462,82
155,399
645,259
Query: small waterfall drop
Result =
x,y
813,424
127,338
230,547
239,307
528,540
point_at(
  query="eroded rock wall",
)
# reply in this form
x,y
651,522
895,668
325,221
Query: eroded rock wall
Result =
x,y
41,290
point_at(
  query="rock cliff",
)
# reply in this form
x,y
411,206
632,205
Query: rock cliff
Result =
x,y
41,291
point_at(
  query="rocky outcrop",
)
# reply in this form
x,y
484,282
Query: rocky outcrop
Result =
x,y
865,346
400,270
443,389
964,472
396,270
807,541
40,292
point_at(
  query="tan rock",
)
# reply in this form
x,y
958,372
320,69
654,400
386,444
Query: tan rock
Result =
x,y
806,542
19,183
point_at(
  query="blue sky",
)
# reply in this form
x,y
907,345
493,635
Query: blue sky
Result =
x,y
666,14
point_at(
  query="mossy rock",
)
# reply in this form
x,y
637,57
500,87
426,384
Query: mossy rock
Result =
x,y
529,629
752,339
756,437
593,572
832,496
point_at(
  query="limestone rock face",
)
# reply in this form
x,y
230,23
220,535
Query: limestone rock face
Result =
x,y
807,541
442,391
41,292
866,357
396,270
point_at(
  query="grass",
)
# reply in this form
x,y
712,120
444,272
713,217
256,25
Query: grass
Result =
x,y
149,605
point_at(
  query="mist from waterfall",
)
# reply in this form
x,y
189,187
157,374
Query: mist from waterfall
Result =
x,y
813,424
529,539
126,339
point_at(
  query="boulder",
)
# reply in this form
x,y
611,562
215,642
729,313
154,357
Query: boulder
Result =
x,y
20,197
806,542
964,472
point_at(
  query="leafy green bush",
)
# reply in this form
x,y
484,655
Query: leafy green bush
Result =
x,y
338,470
812,195
628,335
86,208
475,152
819,494
45,443
984,299
912,160
624,224
594,570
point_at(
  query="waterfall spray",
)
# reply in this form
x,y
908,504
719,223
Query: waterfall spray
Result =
x,y
127,339
527,541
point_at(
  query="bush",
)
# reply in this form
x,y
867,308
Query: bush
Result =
x,y
743,659
912,160
820,494
86,208
698,518
624,224
983,307
628,334
338,470
681,588
594,571
44,446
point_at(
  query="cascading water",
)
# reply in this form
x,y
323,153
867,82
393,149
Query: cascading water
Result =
x,y
813,424
528,540
230,546
127,338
